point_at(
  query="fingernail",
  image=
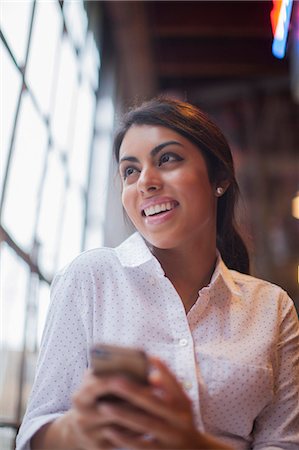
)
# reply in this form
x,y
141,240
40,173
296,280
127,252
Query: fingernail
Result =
x,y
155,375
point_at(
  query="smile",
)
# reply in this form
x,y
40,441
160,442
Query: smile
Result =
x,y
157,209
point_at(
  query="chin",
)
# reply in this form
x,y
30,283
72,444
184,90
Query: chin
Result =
x,y
165,243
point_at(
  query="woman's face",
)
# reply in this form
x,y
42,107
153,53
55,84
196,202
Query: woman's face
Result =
x,y
166,190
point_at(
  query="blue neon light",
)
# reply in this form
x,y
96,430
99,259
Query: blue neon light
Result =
x,y
281,32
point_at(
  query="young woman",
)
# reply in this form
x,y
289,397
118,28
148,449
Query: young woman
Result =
x,y
223,346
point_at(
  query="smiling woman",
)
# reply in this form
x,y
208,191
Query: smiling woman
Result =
x,y
222,347
167,169
182,122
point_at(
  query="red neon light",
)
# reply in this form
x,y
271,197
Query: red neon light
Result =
x,y
274,15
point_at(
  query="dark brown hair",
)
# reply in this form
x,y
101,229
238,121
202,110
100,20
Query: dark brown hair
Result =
x,y
197,127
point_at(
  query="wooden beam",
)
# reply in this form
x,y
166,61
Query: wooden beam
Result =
x,y
208,30
26,257
200,69
132,41
205,50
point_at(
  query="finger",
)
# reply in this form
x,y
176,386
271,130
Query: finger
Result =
x,y
85,431
177,410
137,421
129,418
145,398
122,440
92,388
86,395
162,377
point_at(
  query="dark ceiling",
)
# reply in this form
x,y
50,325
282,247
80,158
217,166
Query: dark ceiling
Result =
x,y
195,47
200,42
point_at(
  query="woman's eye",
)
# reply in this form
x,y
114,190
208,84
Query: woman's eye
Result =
x,y
168,157
128,171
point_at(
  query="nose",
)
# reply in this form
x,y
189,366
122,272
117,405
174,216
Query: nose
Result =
x,y
149,180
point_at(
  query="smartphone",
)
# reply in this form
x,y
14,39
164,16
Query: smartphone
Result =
x,y
110,359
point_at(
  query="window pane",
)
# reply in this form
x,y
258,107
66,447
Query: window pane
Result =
x,y
28,378
67,87
49,225
101,157
43,305
105,115
14,283
91,61
79,157
46,34
14,23
100,172
95,236
76,21
25,175
72,227
14,288
7,437
10,78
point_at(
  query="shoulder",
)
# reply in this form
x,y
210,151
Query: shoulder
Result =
x,y
251,282
86,268
256,290
104,261
91,258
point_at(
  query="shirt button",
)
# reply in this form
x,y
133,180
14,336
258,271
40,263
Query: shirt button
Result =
x,y
187,385
183,342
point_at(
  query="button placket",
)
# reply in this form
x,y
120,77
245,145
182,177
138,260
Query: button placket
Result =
x,y
186,358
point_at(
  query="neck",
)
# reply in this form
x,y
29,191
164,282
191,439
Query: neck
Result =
x,y
189,269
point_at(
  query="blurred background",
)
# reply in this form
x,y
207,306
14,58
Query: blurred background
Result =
x,y
68,71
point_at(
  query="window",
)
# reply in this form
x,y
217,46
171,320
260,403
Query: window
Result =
x,y
49,88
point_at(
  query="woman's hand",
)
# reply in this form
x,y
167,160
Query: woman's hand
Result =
x,y
81,427
84,424
156,416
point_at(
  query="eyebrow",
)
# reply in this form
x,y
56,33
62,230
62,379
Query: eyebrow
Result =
x,y
153,152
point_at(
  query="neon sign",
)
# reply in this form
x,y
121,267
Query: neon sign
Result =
x,y
280,20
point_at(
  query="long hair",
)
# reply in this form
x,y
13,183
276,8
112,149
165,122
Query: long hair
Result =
x,y
197,127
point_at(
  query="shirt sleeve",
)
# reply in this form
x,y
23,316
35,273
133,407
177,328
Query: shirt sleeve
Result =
x,y
277,427
62,359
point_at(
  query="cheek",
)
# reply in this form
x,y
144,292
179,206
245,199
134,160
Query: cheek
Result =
x,y
124,200
199,192
195,186
127,199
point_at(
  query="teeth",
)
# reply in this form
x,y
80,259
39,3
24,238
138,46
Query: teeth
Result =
x,y
158,208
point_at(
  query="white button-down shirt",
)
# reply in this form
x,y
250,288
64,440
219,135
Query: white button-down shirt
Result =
x,y
236,352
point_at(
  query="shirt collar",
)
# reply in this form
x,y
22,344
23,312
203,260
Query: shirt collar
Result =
x,y
134,252
223,273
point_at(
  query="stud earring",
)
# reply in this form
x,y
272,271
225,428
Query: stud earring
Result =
x,y
219,191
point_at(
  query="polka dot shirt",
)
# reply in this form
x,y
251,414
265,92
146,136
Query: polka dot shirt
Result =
x,y
236,352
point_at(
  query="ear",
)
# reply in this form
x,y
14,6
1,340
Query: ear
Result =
x,y
221,187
